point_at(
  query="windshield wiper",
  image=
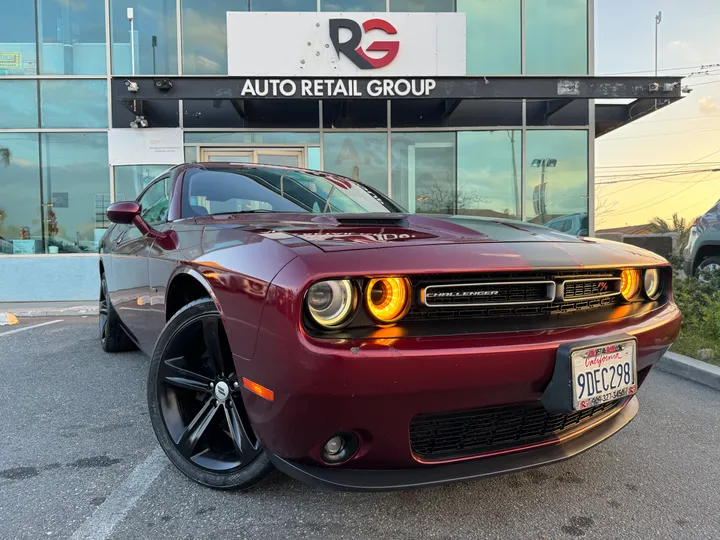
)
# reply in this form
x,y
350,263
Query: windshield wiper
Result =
x,y
259,211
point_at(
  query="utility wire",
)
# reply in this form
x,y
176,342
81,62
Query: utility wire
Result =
x,y
656,177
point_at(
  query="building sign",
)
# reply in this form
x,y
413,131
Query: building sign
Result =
x,y
10,60
336,88
146,146
311,44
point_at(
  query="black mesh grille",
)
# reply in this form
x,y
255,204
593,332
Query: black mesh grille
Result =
x,y
442,436
582,289
488,294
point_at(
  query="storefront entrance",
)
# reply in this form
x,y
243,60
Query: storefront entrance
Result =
x,y
286,157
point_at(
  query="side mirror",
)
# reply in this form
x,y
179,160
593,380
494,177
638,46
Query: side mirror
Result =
x,y
124,212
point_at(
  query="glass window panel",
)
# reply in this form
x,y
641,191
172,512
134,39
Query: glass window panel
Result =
x,y
361,156
423,172
191,154
313,158
155,202
74,104
20,221
557,112
76,184
556,33
352,5
251,113
354,113
155,37
556,175
432,6
18,104
282,5
204,35
488,170
130,180
72,37
18,54
248,137
493,36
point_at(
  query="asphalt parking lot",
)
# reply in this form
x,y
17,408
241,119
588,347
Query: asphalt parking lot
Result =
x,y
78,459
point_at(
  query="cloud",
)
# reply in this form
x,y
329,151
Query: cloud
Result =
x,y
708,106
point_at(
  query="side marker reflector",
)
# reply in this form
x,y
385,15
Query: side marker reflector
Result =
x,y
261,391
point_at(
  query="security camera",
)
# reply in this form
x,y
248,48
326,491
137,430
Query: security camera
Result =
x,y
654,87
163,84
139,122
132,86
669,87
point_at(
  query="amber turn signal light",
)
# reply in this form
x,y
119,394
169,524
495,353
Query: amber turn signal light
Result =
x,y
388,299
630,284
258,389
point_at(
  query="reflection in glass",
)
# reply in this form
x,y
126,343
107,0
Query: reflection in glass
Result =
x,y
20,221
18,55
18,104
556,175
204,35
423,172
360,156
493,36
489,169
215,138
76,189
556,33
282,5
430,6
73,104
72,37
155,23
352,5
130,180
191,154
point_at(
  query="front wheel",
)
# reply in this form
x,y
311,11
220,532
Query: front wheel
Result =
x,y
195,404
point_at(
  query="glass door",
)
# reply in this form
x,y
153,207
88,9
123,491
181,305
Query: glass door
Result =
x,y
267,156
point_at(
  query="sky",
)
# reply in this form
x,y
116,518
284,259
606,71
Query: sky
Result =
x,y
645,159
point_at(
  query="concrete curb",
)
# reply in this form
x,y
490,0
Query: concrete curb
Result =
x,y
50,312
690,369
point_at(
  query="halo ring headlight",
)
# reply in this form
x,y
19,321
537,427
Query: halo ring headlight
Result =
x,y
652,284
388,299
331,302
630,284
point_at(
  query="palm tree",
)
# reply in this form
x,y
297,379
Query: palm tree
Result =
x,y
5,156
678,225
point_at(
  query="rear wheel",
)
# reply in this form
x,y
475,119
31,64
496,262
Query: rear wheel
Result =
x,y
112,337
195,404
710,264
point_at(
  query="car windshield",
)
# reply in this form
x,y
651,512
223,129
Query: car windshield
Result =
x,y
261,189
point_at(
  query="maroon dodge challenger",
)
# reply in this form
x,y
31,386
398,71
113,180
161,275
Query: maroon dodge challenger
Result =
x,y
302,321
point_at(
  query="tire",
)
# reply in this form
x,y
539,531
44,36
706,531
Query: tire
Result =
x,y
713,261
112,336
195,402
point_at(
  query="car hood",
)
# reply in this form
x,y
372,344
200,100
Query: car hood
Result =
x,y
372,231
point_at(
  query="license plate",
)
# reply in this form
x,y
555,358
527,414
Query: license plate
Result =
x,y
603,373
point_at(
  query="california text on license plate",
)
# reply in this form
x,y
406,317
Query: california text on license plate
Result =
x,y
603,373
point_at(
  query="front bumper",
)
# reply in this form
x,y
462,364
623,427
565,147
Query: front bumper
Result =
x,y
375,387
396,479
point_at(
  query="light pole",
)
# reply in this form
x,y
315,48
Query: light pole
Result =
x,y
131,18
539,202
658,20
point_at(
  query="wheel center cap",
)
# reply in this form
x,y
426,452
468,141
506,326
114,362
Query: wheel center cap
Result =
x,y
222,391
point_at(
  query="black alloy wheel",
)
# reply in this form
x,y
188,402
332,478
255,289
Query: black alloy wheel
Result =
x,y
112,337
195,402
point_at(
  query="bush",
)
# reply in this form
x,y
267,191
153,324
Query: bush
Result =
x,y
699,301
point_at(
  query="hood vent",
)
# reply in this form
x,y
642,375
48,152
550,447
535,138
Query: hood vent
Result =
x,y
373,221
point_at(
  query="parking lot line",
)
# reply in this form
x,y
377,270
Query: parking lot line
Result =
x,y
100,524
29,327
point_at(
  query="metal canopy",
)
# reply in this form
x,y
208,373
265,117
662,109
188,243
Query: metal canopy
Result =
x,y
518,87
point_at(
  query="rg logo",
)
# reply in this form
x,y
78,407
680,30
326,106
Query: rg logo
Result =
x,y
352,49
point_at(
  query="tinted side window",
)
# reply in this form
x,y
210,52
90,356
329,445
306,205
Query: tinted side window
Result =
x,y
155,202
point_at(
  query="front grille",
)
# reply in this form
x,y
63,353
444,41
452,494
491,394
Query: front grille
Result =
x,y
505,295
585,288
480,294
467,433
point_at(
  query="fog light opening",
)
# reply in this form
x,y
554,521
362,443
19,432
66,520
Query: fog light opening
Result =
x,y
339,448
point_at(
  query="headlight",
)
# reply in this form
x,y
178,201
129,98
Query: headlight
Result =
x,y
331,302
630,284
652,284
388,299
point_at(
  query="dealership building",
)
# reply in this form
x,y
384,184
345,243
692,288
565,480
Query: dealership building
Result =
x,y
474,107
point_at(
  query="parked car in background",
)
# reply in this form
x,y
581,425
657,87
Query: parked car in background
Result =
x,y
302,321
703,248
575,224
